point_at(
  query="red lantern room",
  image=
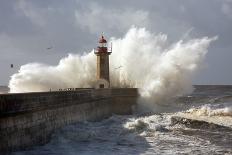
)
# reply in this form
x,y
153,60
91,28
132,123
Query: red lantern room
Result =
x,y
102,41
102,47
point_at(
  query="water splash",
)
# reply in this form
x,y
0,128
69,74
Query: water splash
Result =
x,y
212,110
148,61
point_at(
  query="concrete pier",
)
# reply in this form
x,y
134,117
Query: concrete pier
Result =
x,y
28,119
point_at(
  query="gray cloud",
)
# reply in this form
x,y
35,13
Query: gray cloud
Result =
x,y
97,19
28,27
227,8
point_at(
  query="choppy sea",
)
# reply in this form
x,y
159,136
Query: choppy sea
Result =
x,y
153,132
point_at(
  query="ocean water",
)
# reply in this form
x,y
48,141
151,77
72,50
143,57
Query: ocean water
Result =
x,y
153,132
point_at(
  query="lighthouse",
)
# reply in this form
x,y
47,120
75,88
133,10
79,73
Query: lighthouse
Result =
x,y
102,53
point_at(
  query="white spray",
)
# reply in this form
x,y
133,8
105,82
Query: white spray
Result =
x,y
139,59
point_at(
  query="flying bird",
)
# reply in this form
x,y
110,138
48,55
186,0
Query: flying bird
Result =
x,y
118,67
11,65
49,48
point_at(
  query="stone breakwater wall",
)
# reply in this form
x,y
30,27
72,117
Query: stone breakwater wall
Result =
x,y
28,119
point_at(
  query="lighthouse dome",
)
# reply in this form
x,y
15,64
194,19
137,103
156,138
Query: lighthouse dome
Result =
x,y
102,40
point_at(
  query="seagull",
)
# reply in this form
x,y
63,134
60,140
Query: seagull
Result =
x,y
118,67
49,48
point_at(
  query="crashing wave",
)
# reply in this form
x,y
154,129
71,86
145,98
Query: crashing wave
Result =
x,y
212,110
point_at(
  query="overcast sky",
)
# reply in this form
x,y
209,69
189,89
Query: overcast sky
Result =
x,y
29,27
